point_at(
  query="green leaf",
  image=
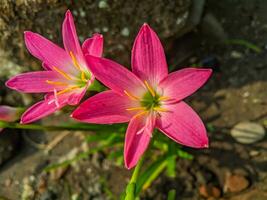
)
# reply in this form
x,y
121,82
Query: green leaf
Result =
x,y
171,166
151,173
172,194
244,43
185,155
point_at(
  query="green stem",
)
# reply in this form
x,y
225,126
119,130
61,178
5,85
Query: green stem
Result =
x,y
76,126
131,187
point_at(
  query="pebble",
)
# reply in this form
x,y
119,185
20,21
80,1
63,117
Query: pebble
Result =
x,y
248,132
254,153
255,194
235,183
8,182
209,191
236,54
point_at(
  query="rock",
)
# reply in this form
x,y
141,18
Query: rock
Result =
x,y
119,21
254,153
255,194
236,55
235,183
209,191
9,143
248,132
48,195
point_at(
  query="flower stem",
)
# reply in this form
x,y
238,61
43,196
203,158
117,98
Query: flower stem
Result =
x,y
73,126
131,187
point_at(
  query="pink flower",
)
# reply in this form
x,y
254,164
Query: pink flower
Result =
x,y
66,76
148,97
10,114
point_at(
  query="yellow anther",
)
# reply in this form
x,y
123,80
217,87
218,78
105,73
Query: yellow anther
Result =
x,y
160,109
150,89
83,77
136,108
163,98
140,114
75,62
56,83
67,90
131,96
64,74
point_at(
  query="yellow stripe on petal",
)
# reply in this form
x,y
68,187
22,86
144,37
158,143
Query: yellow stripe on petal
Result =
x,y
67,90
75,62
163,98
131,96
64,74
160,109
83,77
136,108
150,89
56,83
140,114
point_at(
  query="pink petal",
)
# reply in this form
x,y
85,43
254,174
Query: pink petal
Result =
x,y
183,125
93,46
75,97
42,109
104,108
46,67
70,39
136,142
115,76
148,58
46,51
183,83
35,82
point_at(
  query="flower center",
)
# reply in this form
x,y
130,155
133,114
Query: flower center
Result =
x,y
71,82
150,102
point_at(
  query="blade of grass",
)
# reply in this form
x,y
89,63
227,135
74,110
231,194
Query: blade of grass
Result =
x,y
151,173
244,43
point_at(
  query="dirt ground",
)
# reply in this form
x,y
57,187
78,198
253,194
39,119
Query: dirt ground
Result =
x,y
236,92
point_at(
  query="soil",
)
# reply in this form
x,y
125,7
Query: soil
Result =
x,y
236,92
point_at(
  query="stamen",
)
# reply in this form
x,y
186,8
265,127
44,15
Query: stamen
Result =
x,y
160,109
75,62
64,74
56,99
83,77
163,98
150,89
56,82
136,108
131,96
140,114
67,90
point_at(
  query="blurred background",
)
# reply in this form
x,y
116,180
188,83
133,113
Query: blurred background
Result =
x,y
228,36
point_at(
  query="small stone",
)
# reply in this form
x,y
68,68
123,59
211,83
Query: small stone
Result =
x,y
103,4
255,194
254,153
236,54
246,94
235,183
8,182
248,132
209,191
125,32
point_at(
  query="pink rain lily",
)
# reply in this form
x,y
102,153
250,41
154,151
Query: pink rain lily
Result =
x,y
148,97
10,114
66,77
